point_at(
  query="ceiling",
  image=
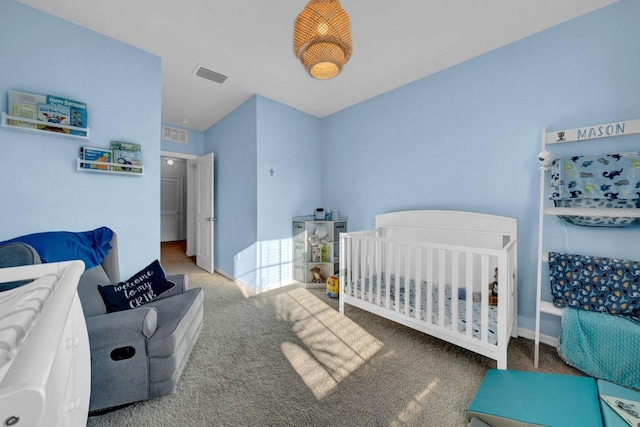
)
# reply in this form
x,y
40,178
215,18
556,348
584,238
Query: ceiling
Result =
x,y
251,42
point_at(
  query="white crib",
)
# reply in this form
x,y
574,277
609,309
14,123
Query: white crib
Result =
x,y
400,269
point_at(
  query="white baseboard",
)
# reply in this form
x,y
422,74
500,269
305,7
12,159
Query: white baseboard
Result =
x,y
224,273
545,339
246,289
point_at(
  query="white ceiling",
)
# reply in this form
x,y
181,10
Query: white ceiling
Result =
x,y
250,41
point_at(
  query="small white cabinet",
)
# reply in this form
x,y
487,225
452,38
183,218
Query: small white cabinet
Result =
x,y
316,245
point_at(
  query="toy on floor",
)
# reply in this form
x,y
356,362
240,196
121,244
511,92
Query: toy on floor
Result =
x,y
318,277
333,287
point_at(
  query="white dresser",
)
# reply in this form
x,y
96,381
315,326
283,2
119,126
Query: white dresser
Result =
x,y
44,348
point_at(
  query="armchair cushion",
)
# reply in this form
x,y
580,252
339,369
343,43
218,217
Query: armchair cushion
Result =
x,y
141,288
131,325
14,255
92,303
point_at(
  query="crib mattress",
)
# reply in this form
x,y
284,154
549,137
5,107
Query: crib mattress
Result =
x,y
369,292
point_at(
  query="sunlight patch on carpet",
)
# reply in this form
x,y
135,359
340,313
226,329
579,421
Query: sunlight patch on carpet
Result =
x,y
334,346
413,409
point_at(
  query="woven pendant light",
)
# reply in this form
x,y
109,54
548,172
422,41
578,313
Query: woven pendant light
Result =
x,y
322,38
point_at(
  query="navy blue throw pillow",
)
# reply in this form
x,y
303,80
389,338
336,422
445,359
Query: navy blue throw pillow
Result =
x,y
142,288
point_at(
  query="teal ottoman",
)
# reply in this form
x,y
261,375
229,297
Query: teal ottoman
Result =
x,y
519,399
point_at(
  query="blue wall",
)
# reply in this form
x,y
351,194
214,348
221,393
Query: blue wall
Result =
x,y
41,188
288,146
253,207
234,142
464,138
467,138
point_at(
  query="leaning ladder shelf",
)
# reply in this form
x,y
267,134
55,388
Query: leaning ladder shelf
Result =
x,y
606,130
5,124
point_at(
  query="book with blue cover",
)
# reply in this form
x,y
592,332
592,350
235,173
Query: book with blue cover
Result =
x,y
77,113
102,155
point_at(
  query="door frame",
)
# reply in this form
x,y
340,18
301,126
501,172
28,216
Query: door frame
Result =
x,y
190,196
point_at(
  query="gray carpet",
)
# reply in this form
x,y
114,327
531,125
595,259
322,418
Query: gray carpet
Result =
x,y
287,358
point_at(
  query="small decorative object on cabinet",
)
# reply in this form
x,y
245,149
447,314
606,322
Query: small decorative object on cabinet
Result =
x,y
316,249
591,191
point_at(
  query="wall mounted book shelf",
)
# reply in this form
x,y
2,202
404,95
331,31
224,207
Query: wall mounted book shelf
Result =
x,y
8,123
111,168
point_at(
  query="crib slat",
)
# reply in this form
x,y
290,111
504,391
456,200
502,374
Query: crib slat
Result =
x,y
469,295
441,286
359,267
345,272
454,290
407,280
396,277
378,270
366,273
484,305
418,301
429,317
387,269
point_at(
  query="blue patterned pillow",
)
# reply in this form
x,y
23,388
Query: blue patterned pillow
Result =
x,y
596,284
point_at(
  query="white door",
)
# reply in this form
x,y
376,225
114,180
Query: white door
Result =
x,y
204,212
171,215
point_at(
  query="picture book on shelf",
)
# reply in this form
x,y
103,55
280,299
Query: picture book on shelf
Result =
x,y
102,155
77,113
24,105
126,153
51,109
53,114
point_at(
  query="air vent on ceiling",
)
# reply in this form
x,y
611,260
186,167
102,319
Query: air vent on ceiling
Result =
x,y
175,135
205,73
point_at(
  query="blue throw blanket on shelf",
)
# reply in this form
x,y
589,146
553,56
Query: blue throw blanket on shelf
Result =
x,y
598,284
607,182
55,246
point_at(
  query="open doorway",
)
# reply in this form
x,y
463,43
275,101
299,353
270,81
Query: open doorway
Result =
x,y
177,239
173,200
187,216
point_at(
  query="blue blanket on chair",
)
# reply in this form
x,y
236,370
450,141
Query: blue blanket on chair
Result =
x,y
56,246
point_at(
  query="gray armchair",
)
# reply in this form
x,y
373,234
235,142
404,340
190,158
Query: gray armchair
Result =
x,y
15,255
139,353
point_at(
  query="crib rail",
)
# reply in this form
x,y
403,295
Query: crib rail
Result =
x,y
417,283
